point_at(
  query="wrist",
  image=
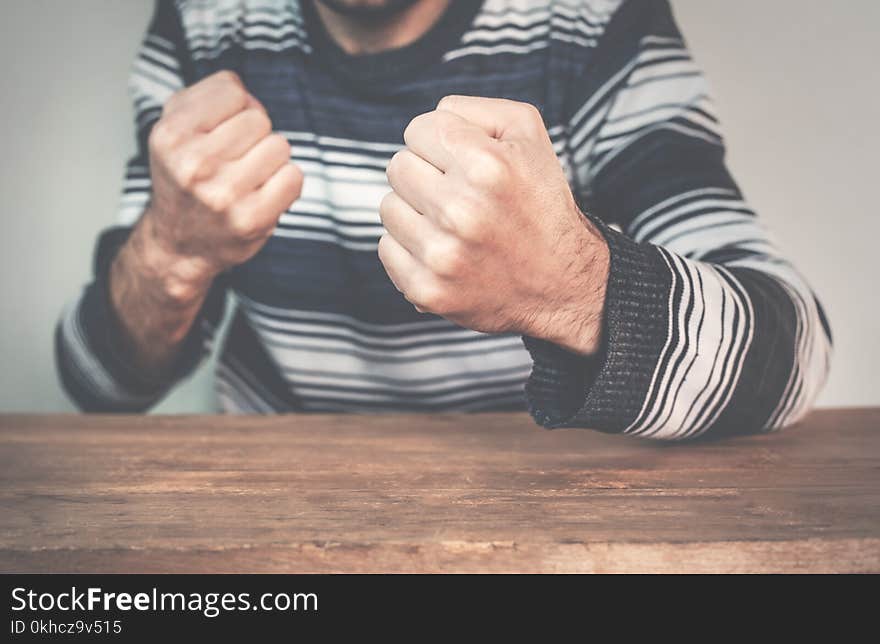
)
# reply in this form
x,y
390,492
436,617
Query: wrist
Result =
x,y
176,280
573,312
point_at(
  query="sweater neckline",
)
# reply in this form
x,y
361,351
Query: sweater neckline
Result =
x,y
444,34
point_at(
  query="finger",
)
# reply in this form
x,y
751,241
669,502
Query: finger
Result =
x,y
276,195
254,103
418,182
203,106
412,230
232,138
403,269
426,136
257,165
500,118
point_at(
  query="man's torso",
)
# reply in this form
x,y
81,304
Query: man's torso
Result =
x,y
320,326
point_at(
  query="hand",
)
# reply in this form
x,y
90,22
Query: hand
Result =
x,y
483,230
221,180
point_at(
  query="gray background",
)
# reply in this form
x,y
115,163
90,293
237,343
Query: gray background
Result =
x,y
795,80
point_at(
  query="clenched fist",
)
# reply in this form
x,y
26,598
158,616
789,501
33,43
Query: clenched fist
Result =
x,y
221,179
482,227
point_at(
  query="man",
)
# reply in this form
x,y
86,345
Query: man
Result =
x,y
560,232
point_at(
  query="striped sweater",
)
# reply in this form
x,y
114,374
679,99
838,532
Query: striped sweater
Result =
x,y
708,330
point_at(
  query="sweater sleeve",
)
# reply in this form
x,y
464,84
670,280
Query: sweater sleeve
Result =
x,y
90,348
708,329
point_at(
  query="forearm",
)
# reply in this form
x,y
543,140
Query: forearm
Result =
x,y
706,329
692,348
156,296
93,350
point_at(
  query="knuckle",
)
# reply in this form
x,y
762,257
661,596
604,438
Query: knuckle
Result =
x,y
432,296
291,175
245,227
292,179
190,169
276,149
280,143
262,122
392,170
385,251
454,137
470,229
229,77
486,168
445,258
464,222
425,121
461,206
171,104
217,198
530,111
231,86
174,102
452,211
411,128
237,94
448,102
165,135
532,118
387,203
382,247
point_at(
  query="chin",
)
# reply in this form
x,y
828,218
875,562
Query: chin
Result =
x,y
367,8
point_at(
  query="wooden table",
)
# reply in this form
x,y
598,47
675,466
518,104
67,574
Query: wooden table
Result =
x,y
489,492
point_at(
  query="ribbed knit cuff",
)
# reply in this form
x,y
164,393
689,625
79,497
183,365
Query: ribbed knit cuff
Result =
x,y
606,391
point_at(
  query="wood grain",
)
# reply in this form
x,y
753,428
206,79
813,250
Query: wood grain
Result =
x,y
411,493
